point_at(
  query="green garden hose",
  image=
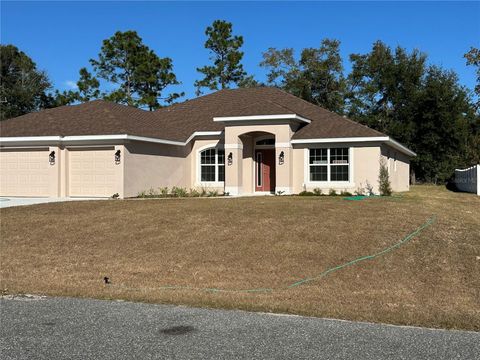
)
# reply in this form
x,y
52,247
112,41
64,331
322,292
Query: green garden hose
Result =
x,y
326,272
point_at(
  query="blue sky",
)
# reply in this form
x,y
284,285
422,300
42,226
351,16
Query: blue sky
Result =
x,y
62,36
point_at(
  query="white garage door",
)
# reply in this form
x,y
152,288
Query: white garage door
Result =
x,y
92,172
24,172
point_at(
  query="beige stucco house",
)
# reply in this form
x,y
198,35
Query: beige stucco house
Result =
x,y
243,141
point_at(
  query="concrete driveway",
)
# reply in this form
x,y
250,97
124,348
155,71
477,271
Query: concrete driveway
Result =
x,y
22,201
64,328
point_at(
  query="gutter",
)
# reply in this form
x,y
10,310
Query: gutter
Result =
x,y
46,140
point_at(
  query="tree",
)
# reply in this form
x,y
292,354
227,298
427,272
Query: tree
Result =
x,y
317,77
382,86
140,74
88,86
23,88
227,68
442,125
151,77
473,59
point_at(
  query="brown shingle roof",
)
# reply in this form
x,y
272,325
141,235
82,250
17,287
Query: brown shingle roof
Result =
x,y
179,121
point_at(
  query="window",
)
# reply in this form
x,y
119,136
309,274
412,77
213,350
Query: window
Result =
x,y
339,164
212,165
259,169
266,142
329,164
318,164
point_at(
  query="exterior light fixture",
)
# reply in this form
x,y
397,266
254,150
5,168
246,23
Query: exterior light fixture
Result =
x,y
230,158
281,158
117,157
51,158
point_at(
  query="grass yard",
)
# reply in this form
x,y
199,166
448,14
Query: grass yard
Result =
x,y
263,242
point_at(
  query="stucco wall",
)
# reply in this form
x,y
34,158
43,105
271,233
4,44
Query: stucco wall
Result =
x,y
239,175
398,168
193,161
149,165
364,168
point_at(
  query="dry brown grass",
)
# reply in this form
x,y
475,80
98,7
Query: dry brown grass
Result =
x,y
434,280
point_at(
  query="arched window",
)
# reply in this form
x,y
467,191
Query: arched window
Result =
x,y
212,165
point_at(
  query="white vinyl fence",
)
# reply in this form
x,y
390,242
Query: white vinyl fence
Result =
x,y
468,180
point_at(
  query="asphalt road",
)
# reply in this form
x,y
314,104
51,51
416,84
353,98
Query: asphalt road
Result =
x,y
62,328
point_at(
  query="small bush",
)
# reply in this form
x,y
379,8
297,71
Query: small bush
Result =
x,y
203,192
142,194
384,180
332,192
306,193
360,190
115,196
193,193
151,192
163,191
179,192
317,192
369,189
226,193
345,193
212,193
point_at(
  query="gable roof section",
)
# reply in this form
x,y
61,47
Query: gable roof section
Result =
x,y
179,121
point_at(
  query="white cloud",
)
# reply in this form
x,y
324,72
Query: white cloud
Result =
x,y
71,84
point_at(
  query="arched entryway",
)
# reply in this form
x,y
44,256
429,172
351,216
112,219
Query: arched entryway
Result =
x,y
264,163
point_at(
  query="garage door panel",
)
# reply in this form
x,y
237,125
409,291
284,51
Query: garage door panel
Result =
x,y
92,172
24,173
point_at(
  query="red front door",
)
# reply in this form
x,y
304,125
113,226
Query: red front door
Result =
x,y
265,170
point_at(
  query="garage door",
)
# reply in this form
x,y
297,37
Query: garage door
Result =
x,y
24,172
92,172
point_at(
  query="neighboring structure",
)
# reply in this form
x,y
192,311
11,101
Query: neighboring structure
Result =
x,y
468,180
243,141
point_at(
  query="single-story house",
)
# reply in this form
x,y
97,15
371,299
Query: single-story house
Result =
x,y
242,141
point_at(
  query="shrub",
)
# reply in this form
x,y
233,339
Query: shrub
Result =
x,y
369,189
306,193
212,193
142,194
345,193
151,192
384,180
194,193
317,192
332,192
115,196
179,192
203,192
163,191
360,191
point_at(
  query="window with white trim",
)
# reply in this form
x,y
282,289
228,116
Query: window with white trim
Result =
x,y
212,165
329,164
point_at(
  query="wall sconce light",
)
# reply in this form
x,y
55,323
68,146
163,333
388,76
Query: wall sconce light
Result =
x,y
51,158
117,157
281,158
230,158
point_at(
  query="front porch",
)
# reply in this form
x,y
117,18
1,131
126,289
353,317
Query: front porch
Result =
x,y
258,162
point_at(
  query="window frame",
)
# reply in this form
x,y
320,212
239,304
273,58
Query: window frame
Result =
x,y
329,182
217,147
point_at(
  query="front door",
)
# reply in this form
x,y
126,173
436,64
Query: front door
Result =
x,y
265,170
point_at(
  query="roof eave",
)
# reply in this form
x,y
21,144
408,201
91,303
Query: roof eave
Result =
x,y
382,139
